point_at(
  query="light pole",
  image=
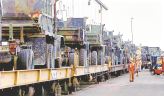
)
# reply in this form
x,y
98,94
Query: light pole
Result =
x,y
132,36
72,8
0,21
102,6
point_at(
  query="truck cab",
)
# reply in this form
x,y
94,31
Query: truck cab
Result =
x,y
156,66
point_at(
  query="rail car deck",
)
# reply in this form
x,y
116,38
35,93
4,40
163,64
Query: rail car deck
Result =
x,y
15,78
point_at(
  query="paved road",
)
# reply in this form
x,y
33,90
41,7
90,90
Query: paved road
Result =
x,y
144,85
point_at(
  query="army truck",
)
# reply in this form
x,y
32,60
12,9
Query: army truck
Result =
x,y
28,28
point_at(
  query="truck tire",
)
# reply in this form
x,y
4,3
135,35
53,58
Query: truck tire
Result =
x,y
25,59
49,56
100,57
94,58
7,66
71,58
106,59
5,57
82,57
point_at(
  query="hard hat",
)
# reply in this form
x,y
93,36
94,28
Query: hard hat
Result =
x,y
131,59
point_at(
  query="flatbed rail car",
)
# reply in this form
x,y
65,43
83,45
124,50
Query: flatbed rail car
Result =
x,y
9,79
43,74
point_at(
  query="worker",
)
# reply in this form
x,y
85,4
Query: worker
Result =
x,y
31,91
110,63
131,69
76,84
162,61
137,66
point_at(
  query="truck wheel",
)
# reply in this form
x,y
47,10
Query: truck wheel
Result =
x,y
71,58
25,59
100,58
49,62
8,66
82,57
6,61
94,58
106,59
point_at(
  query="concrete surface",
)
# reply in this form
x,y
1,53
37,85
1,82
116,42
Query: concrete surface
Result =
x,y
144,85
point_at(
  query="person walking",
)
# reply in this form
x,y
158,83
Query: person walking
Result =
x,y
162,60
131,69
136,63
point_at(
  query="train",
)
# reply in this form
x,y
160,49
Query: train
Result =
x,y
42,55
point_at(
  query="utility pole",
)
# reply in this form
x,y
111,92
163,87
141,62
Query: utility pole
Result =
x,y
101,20
1,21
0,28
72,8
132,36
102,6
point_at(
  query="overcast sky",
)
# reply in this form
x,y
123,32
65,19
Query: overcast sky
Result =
x,y
148,17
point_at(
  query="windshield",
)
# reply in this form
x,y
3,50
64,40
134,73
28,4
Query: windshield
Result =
x,y
159,60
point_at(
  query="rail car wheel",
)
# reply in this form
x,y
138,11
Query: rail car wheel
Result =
x,y
102,78
121,72
65,88
25,59
94,58
31,91
82,58
108,75
10,92
44,92
21,92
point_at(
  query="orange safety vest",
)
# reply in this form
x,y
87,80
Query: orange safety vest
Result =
x,y
131,67
162,64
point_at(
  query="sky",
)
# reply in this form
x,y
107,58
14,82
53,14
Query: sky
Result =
x,y
148,22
